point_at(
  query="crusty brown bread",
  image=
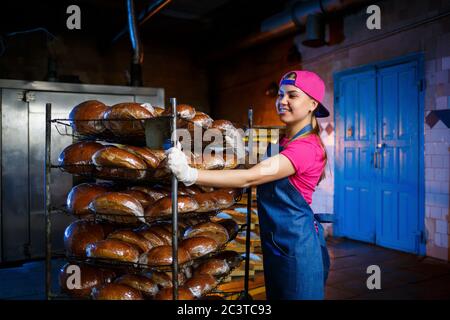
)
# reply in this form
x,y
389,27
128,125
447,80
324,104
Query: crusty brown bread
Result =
x,y
92,110
113,249
116,291
77,158
81,195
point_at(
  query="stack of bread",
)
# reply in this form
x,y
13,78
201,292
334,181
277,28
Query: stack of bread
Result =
x,y
124,228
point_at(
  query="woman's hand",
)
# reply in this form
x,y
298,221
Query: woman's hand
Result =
x,y
178,164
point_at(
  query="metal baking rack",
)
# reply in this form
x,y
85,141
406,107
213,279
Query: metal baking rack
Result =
x,y
135,141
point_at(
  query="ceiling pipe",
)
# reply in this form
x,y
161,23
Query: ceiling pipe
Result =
x,y
138,55
146,14
288,22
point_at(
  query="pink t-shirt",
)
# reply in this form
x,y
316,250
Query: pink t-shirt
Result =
x,y
307,157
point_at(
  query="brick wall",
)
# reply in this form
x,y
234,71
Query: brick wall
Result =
x,y
407,27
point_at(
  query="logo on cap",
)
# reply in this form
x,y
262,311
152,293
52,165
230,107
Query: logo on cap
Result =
x,y
290,79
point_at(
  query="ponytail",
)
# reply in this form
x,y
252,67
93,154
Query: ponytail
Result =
x,y
316,130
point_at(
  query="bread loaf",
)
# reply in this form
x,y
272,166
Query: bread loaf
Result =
x,y
146,154
163,206
79,234
119,119
113,162
164,279
207,227
81,195
77,158
223,199
144,199
167,294
90,278
200,284
154,193
133,238
199,246
162,256
151,236
142,283
213,266
200,120
207,161
116,291
113,249
206,202
117,206
87,117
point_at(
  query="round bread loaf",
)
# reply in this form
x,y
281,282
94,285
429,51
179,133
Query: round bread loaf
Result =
x,y
114,206
192,190
144,199
113,249
79,234
207,161
200,284
77,158
205,188
142,283
164,279
163,206
223,199
200,120
151,236
223,125
116,291
231,257
81,195
230,225
235,192
199,246
146,154
154,193
163,233
184,111
219,237
214,267
206,202
206,227
167,294
87,117
162,256
133,238
90,278
113,162
119,119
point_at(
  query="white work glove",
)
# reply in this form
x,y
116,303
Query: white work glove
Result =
x,y
178,164
235,139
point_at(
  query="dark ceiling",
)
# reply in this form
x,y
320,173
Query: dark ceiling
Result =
x,y
209,23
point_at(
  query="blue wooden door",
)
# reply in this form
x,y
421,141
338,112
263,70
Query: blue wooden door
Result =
x,y
377,152
397,182
355,146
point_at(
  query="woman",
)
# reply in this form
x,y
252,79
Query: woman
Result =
x,y
295,257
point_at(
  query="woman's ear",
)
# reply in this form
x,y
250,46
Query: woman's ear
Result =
x,y
314,105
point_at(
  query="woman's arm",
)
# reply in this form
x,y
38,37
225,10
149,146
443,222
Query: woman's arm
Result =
x,y
270,169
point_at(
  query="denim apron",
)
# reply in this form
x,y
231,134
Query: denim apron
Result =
x,y
295,256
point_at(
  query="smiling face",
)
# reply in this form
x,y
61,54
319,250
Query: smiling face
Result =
x,y
293,104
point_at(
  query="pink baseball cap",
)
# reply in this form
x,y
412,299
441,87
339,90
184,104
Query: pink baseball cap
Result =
x,y
311,84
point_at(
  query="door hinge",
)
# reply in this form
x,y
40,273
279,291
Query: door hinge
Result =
x,y
421,85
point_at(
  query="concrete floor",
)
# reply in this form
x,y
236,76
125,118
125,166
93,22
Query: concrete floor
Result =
x,y
403,276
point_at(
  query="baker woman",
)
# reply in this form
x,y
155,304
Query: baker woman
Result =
x,y
295,256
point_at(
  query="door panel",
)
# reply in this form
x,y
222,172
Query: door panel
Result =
x,y
398,128
354,161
